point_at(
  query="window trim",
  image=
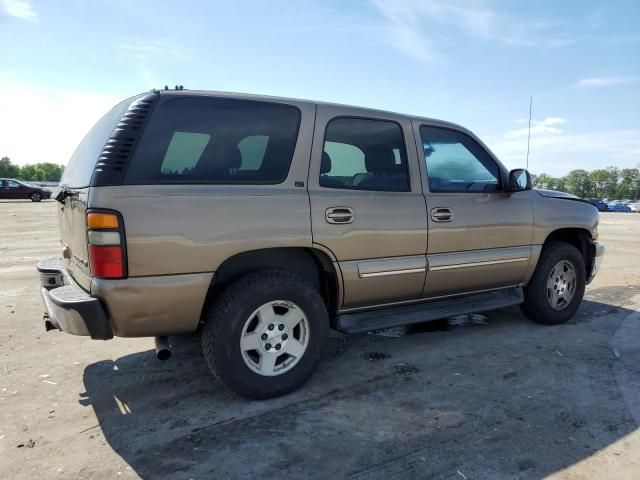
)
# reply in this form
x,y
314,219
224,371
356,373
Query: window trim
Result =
x,y
420,145
353,188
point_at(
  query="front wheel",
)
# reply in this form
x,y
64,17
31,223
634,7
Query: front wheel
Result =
x,y
264,335
35,197
557,286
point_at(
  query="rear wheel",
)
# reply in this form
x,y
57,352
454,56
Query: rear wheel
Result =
x,y
35,197
557,286
264,335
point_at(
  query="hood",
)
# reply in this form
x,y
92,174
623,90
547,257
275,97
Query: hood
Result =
x,y
555,194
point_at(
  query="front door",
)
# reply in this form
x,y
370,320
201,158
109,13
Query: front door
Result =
x,y
479,236
367,206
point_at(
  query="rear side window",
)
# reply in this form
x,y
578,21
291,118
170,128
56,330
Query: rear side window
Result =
x,y
196,140
364,154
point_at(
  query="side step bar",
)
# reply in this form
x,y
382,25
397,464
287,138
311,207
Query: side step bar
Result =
x,y
431,310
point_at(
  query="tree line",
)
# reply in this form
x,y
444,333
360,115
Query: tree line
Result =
x,y
610,182
37,172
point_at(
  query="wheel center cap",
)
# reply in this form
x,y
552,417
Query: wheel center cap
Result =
x,y
274,337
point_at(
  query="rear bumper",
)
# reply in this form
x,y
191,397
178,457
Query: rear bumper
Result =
x,y
596,261
131,307
68,307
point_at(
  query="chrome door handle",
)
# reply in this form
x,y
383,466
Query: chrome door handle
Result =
x,y
441,214
339,215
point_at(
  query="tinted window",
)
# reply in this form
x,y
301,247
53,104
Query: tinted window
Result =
x,y
364,154
78,172
214,140
457,163
183,152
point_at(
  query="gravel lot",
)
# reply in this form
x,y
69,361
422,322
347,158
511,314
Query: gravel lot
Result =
x,y
505,399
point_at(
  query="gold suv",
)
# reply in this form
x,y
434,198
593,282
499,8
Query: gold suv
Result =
x,y
263,222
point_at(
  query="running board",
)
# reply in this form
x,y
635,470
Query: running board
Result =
x,y
423,312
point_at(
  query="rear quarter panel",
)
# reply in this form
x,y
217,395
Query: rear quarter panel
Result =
x,y
179,229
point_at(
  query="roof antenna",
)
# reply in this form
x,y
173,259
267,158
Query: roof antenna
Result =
x,y
529,135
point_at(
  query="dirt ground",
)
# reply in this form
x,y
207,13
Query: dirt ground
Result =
x,y
495,400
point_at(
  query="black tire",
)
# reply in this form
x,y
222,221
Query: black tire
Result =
x,y
225,320
35,197
536,304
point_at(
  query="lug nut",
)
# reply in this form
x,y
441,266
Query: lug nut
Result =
x,y
267,346
278,346
281,327
284,336
271,326
264,336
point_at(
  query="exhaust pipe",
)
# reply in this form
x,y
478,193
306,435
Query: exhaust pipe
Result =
x,y
163,349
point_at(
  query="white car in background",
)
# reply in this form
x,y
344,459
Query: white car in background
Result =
x,y
634,207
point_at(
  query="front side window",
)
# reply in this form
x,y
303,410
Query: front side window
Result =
x,y
457,163
196,140
364,154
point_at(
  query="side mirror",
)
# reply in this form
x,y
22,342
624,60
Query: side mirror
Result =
x,y
519,180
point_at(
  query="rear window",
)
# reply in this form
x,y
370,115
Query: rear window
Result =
x,y
194,140
78,171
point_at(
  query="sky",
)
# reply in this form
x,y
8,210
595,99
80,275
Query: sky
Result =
x,y
64,63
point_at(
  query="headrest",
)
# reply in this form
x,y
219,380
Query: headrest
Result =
x,y
227,156
380,159
325,164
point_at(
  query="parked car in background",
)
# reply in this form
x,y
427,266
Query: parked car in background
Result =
x,y
16,189
599,204
634,207
618,206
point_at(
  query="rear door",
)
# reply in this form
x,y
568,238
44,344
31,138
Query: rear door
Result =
x,y
5,192
12,189
367,206
479,236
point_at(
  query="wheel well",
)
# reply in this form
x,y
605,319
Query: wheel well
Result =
x,y
309,263
577,237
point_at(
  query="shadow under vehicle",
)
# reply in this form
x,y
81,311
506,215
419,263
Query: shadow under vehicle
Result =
x,y
501,400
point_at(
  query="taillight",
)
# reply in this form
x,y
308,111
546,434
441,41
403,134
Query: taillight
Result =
x,y
105,236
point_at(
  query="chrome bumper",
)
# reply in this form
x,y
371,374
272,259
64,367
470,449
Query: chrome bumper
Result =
x,y
598,255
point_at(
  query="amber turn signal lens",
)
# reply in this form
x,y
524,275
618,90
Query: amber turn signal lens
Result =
x,y
102,220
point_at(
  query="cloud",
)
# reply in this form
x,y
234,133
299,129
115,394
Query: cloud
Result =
x,y
595,82
151,54
416,27
538,127
151,49
63,118
556,153
20,9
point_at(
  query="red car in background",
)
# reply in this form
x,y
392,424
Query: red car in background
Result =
x,y
16,189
